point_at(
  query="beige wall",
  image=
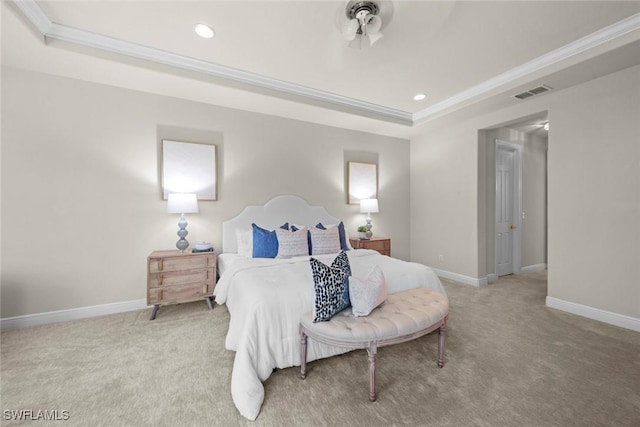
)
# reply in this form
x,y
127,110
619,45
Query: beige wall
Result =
x,y
444,199
534,201
593,192
81,203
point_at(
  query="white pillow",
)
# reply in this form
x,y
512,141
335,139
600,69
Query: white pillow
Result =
x,y
292,243
244,241
325,241
346,234
368,293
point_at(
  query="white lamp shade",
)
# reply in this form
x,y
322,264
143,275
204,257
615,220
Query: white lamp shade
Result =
x,y
374,23
350,28
369,206
182,203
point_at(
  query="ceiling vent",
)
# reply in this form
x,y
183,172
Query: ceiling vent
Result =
x,y
533,92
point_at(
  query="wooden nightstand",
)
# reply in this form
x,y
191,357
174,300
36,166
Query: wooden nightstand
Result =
x,y
380,244
174,277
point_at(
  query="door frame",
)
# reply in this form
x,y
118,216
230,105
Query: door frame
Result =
x,y
517,205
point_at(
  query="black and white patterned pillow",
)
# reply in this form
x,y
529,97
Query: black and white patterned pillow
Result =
x,y
331,285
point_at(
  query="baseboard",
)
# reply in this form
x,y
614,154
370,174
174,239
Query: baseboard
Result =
x,y
467,280
71,314
533,268
492,277
615,319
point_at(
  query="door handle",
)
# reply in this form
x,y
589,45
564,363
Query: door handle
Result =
x,y
512,227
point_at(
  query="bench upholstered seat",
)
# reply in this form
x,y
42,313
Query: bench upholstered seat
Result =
x,y
402,317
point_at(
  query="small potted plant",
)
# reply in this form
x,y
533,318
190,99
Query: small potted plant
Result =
x,y
361,232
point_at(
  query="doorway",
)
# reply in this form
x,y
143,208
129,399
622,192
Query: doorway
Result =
x,y
513,228
508,197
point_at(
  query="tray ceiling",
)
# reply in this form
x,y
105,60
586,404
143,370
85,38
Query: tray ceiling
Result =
x,y
292,53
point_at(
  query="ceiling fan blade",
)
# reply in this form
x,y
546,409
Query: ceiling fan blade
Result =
x,y
374,38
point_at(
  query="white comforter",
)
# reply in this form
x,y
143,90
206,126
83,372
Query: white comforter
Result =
x,y
267,297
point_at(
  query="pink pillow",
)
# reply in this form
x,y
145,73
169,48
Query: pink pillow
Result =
x,y
368,293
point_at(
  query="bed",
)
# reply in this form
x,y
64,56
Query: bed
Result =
x,y
267,296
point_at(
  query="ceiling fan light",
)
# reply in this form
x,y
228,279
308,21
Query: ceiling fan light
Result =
x,y
362,19
374,23
350,29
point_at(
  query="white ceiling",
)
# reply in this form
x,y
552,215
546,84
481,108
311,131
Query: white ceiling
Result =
x,y
288,57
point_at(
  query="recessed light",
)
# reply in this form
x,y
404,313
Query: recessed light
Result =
x,y
419,97
204,31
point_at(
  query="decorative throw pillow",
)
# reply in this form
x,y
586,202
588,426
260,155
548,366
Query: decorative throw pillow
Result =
x,y
331,285
344,242
295,227
244,240
265,242
292,243
325,241
368,293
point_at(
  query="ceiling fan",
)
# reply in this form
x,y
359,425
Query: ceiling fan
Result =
x,y
363,20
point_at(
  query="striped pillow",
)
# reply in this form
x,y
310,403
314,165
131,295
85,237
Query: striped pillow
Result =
x,y
292,243
325,241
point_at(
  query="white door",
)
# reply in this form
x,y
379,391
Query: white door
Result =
x,y
507,233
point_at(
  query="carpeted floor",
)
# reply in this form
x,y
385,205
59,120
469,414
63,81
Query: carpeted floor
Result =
x,y
510,362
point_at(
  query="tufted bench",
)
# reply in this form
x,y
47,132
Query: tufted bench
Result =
x,y
402,317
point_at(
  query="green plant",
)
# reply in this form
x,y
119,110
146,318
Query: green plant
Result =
x,y
362,229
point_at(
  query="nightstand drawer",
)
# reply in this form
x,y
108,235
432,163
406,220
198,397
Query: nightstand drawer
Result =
x,y
172,278
179,293
379,245
180,263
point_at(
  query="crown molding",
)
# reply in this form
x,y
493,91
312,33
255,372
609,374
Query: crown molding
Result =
x,y
38,18
52,30
591,41
55,31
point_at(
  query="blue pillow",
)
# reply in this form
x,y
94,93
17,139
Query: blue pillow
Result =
x,y
265,242
331,285
343,237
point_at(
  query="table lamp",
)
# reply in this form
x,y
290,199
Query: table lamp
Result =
x,y
182,203
369,206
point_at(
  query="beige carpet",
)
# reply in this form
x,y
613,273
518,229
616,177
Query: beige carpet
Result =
x,y
510,362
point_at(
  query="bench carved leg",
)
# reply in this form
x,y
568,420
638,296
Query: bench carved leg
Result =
x,y
303,354
442,335
371,352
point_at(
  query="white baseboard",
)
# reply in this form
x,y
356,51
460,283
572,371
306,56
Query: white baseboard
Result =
x,y
492,277
533,268
615,319
467,280
71,314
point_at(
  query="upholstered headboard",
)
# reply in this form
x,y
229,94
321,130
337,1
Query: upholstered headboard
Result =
x,y
274,213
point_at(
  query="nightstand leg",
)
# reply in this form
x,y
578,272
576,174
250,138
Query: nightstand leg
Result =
x,y
209,303
155,311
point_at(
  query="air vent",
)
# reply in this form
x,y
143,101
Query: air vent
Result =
x,y
532,92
